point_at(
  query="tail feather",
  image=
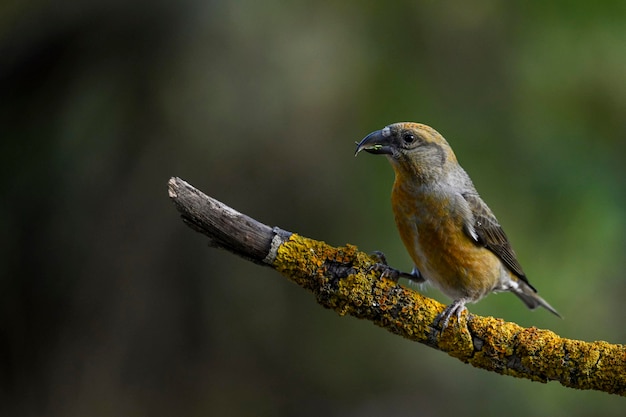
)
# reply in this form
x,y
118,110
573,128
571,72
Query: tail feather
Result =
x,y
532,299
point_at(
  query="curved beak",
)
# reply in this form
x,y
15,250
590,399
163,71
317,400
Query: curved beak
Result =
x,y
375,143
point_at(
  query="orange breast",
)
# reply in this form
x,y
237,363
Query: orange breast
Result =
x,y
431,228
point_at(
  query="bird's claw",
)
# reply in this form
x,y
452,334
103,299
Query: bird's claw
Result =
x,y
383,267
389,272
456,308
385,271
379,257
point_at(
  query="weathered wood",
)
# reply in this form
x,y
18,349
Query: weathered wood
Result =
x,y
225,227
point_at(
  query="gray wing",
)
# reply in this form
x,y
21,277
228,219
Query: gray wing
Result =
x,y
486,231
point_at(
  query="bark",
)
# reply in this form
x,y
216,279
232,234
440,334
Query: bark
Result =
x,y
342,279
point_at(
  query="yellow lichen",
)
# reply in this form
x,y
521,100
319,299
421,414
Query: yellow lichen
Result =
x,y
341,279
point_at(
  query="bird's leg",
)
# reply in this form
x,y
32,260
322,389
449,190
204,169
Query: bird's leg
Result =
x,y
457,307
392,273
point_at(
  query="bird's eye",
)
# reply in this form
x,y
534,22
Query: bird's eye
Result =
x,y
408,137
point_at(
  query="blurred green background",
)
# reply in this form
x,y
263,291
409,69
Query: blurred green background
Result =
x,y
109,305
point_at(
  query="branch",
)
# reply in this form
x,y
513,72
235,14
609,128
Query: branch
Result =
x,y
342,279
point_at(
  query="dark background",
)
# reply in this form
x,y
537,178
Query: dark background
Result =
x,y
109,305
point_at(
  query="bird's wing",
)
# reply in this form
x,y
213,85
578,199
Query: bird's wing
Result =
x,y
485,230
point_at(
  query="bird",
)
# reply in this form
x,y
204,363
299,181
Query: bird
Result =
x,y
453,238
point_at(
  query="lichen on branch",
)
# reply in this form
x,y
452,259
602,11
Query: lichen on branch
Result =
x,y
342,279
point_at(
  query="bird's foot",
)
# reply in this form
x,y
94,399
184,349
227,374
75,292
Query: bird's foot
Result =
x,y
457,308
389,272
379,257
386,271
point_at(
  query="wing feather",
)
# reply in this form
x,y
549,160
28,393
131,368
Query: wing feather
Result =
x,y
490,234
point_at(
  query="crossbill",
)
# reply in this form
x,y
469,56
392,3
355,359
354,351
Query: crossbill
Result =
x,y
453,238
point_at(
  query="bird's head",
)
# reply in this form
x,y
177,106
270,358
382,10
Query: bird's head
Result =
x,y
412,148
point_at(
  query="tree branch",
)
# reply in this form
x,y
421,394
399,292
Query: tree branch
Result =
x,y
342,279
